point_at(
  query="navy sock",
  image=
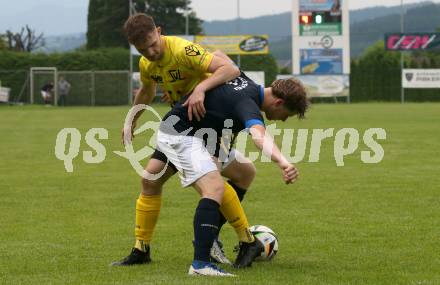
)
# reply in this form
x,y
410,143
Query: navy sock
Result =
x,y
240,194
205,228
240,191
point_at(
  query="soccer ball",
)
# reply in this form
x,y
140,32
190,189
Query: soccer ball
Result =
x,y
269,240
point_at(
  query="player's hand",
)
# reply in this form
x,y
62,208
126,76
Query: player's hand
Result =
x,y
165,98
195,105
290,172
129,133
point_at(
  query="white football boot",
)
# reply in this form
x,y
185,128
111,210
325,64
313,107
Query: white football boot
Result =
x,y
207,269
217,253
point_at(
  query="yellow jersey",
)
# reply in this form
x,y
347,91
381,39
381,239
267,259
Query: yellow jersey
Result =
x,y
184,65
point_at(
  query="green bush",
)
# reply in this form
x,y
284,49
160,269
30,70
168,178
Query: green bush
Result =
x,y
266,63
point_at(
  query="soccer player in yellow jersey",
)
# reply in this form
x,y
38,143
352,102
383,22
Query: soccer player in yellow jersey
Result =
x,y
182,68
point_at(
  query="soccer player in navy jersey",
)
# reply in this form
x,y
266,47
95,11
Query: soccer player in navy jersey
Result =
x,y
234,106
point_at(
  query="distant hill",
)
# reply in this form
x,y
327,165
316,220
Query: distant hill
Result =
x,y
361,15
63,43
279,26
366,27
424,18
276,26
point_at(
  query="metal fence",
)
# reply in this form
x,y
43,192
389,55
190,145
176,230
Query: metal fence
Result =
x,y
17,81
88,88
104,88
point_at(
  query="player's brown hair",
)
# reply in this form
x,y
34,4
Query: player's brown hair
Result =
x,y
138,26
293,93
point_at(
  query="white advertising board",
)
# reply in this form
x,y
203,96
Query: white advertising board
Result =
x,y
4,94
421,78
324,85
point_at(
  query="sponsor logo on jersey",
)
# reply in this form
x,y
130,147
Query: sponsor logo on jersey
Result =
x,y
157,78
175,75
238,83
192,50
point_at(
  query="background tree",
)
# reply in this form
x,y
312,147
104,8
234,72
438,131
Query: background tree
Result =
x,y
3,44
376,75
26,40
170,15
105,23
106,19
94,23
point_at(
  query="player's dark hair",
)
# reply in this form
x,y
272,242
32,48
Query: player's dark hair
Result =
x,y
138,26
293,93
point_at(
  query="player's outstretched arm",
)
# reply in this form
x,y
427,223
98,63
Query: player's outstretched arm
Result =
x,y
266,144
145,95
223,70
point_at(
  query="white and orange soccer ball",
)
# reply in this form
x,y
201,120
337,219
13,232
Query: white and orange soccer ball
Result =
x,y
269,240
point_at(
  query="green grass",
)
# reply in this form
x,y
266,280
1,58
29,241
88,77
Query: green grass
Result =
x,y
357,224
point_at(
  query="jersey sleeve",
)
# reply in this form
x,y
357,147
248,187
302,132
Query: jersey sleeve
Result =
x,y
194,56
248,113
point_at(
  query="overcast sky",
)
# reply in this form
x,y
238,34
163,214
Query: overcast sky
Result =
x,y
56,17
227,9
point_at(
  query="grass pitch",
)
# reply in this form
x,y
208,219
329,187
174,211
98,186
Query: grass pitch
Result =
x,y
356,224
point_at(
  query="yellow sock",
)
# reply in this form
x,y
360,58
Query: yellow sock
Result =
x,y
147,212
233,212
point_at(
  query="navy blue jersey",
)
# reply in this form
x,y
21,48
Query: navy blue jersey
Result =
x,y
235,103
47,87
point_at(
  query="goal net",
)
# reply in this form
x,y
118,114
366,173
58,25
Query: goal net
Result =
x,y
87,87
39,77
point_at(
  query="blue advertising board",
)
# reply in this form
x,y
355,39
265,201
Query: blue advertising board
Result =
x,y
320,5
321,61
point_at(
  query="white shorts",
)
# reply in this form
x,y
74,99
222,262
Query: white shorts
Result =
x,y
45,95
189,156
233,155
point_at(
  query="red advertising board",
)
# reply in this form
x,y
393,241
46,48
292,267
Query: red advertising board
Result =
x,y
412,41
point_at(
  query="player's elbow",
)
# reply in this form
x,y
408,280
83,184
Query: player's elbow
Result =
x,y
235,70
231,71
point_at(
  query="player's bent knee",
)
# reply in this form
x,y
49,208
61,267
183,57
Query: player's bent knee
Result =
x,y
215,193
210,186
250,172
243,175
154,186
151,187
